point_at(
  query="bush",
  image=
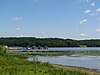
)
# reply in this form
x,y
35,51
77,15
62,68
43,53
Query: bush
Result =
x,y
3,50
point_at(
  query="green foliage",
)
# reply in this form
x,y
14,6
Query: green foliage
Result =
x,y
3,50
50,42
31,41
11,65
90,43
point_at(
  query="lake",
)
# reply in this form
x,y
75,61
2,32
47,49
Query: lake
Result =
x,y
74,49
57,49
92,62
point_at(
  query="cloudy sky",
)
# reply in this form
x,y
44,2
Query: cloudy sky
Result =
x,y
76,19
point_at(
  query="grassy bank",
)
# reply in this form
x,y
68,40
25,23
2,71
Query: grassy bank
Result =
x,y
18,65
11,65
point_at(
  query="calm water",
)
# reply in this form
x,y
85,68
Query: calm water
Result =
x,y
74,49
92,62
68,49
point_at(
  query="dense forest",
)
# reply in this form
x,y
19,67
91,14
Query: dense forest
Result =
x,y
50,42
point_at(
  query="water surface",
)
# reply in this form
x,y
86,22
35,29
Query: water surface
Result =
x,y
74,49
92,62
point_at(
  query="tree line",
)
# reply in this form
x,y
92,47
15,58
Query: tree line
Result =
x,y
50,42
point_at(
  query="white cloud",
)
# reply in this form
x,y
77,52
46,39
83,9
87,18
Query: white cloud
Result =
x,y
18,28
87,11
83,21
83,34
98,30
25,35
92,4
98,10
97,13
84,0
91,14
87,0
21,36
98,19
42,32
16,18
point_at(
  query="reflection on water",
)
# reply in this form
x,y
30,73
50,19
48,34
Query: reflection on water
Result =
x,y
92,62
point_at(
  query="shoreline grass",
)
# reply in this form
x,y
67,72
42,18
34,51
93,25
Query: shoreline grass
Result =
x,y
16,64
12,65
81,69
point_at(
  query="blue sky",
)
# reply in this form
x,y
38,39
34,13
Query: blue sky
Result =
x,y
76,19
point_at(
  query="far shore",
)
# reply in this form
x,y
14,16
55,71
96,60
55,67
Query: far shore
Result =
x,y
57,53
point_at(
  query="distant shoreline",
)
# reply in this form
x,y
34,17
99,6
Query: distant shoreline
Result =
x,y
49,42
